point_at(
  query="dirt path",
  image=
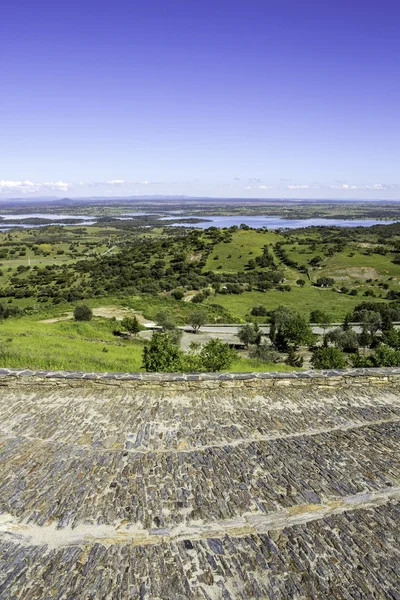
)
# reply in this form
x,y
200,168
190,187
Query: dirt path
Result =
x,y
107,312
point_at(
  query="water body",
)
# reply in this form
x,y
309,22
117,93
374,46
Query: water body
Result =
x,y
271,222
276,222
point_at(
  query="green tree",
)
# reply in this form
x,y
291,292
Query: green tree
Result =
x,y
216,355
162,354
328,358
392,338
323,320
249,333
169,326
131,324
371,321
197,319
82,312
347,339
297,331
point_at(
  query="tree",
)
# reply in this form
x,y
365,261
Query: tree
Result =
x,y
382,357
162,354
288,328
168,326
325,282
197,319
249,334
315,261
216,355
323,320
328,358
297,331
82,312
347,339
371,321
131,324
301,282
392,338
346,322
279,319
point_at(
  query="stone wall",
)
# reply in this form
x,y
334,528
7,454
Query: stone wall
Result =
x,y
339,377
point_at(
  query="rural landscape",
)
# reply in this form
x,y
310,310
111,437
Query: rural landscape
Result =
x,y
323,295
199,300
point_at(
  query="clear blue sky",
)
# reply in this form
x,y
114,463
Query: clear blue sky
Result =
x,y
241,98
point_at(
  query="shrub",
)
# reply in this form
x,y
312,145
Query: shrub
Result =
x,y
83,312
131,324
249,334
293,359
177,294
162,354
328,358
265,353
259,311
216,355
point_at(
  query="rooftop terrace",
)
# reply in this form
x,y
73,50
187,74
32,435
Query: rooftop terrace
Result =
x,y
200,487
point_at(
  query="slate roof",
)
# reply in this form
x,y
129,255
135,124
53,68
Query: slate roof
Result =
x,y
162,489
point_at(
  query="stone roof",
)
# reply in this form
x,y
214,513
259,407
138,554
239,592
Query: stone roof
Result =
x,y
200,487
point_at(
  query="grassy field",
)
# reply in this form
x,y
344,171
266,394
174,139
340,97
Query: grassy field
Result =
x,y
233,256
27,342
66,345
304,300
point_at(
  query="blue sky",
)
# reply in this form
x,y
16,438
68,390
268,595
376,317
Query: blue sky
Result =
x,y
224,98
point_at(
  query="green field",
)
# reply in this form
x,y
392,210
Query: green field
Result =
x,y
304,300
234,256
141,269
66,345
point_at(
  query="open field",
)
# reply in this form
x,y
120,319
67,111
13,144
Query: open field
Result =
x,y
67,345
303,300
45,271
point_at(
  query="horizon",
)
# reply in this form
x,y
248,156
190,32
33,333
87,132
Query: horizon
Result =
x,y
249,100
184,198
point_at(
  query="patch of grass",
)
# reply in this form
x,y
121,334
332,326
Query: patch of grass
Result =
x,y
236,254
177,309
360,265
67,345
304,300
249,365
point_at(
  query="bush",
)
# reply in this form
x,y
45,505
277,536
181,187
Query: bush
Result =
x,y
249,334
83,312
131,324
177,294
328,358
265,353
162,354
259,311
293,359
216,355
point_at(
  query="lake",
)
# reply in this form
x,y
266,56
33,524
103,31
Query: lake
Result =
x,y
276,222
252,221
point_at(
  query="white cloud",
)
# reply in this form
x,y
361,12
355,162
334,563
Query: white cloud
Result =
x,y
115,182
298,187
259,187
28,187
340,186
